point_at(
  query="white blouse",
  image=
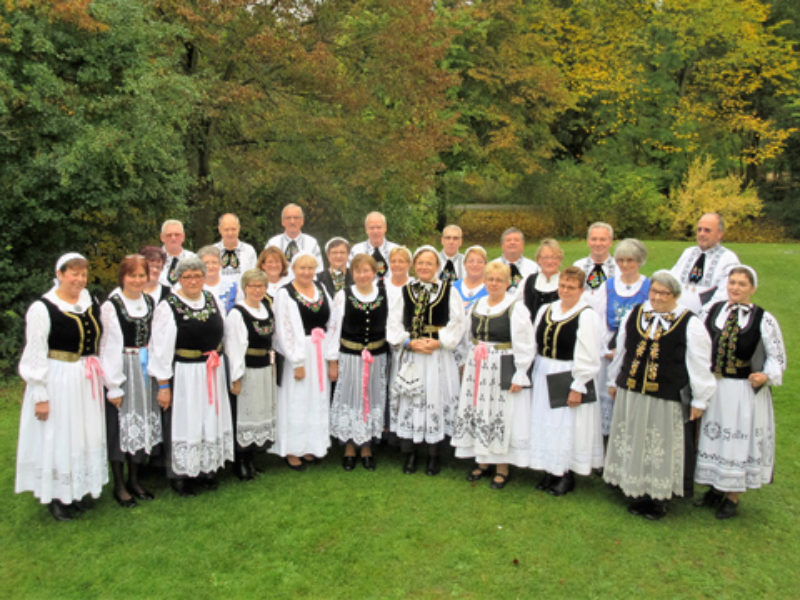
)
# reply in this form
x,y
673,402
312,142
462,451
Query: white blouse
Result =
x,y
112,342
290,337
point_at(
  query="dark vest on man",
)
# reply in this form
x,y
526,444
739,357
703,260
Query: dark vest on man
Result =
x,y
77,334
435,314
747,340
313,314
556,339
655,367
199,330
259,337
135,330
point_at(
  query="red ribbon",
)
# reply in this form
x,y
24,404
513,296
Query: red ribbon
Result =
x,y
317,335
368,359
480,353
212,363
93,372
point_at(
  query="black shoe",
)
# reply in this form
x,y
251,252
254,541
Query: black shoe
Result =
x,y
254,470
712,498
183,488
476,473
124,503
727,510
241,471
298,467
640,506
60,511
656,510
499,485
564,485
368,462
142,494
546,482
314,460
208,482
84,504
434,466
410,466
349,463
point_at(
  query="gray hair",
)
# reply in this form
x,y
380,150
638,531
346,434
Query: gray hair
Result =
x,y
169,222
631,248
602,224
720,222
375,213
293,205
667,279
190,263
208,251
219,221
511,230
452,227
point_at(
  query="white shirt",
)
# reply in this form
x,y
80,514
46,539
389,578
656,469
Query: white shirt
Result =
x,y
719,261
596,297
247,260
305,243
163,278
458,264
698,354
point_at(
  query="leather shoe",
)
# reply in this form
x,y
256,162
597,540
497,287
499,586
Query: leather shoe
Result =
x,y
298,467
124,503
349,463
499,485
60,511
639,506
727,510
410,466
434,467
208,482
656,510
712,498
241,471
562,485
183,488
546,482
142,494
477,473
368,462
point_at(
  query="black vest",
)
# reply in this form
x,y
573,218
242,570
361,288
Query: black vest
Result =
x,y
313,314
492,328
77,333
534,298
135,330
746,342
655,368
364,323
198,329
436,313
259,337
556,339
326,279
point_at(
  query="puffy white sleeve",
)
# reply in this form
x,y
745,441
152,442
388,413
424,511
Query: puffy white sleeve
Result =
x,y
33,364
333,328
523,343
774,349
396,333
588,343
452,333
110,352
698,363
289,333
236,342
162,342
619,356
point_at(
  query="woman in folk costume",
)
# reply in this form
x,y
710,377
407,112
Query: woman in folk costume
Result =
x,y
427,321
493,418
249,331
185,347
663,350
304,325
133,417
61,456
337,276
359,400
566,439
736,451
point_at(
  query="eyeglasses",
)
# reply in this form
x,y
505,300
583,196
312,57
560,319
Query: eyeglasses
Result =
x,y
655,292
192,277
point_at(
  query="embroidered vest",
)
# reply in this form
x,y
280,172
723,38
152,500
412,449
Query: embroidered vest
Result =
x,y
313,314
76,333
617,306
364,323
199,330
135,330
746,342
556,339
434,315
259,337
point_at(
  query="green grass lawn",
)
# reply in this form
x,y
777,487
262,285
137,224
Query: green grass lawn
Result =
x,y
326,533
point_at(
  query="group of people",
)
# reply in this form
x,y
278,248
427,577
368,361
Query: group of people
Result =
x,y
198,360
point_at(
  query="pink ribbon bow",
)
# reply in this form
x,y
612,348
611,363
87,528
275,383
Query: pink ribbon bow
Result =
x,y
212,363
93,372
368,359
480,353
317,335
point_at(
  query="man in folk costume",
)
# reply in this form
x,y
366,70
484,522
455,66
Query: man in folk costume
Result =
x,y
376,244
236,256
452,260
293,241
172,236
599,266
512,245
703,269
